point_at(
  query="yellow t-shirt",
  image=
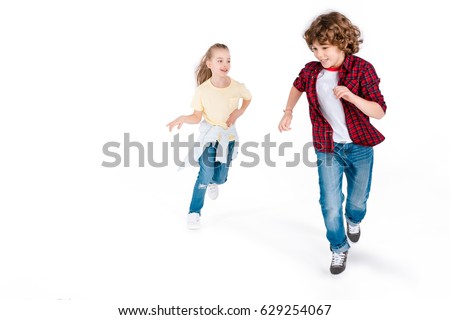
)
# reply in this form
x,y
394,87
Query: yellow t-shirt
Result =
x,y
218,103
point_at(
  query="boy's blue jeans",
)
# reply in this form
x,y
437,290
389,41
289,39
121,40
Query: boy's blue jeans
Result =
x,y
356,162
211,171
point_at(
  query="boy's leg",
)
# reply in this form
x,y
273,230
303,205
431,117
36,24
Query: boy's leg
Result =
x,y
359,179
330,168
206,163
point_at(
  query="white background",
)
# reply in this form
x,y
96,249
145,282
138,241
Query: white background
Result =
x,y
79,240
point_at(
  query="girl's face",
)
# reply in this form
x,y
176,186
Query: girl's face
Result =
x,y
330,56
219,62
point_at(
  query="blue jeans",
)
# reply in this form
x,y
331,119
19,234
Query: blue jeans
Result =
x,y
211,171
356,162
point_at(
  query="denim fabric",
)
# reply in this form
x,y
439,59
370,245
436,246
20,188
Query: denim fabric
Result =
x,y
356,162
211,171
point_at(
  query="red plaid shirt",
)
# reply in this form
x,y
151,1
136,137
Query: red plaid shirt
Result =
x,y
359,77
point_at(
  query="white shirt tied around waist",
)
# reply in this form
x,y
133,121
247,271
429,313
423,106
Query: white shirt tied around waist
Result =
x,y
211,134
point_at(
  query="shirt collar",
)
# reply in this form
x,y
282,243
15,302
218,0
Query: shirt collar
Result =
x,y
345,65
347,62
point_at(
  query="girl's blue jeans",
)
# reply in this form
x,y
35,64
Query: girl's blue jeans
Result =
x,y
356,162
211,171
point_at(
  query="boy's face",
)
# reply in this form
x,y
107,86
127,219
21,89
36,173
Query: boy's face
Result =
x,y
330,56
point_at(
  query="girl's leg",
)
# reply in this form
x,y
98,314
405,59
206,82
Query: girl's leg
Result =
x,y
331,168
221,169
206,163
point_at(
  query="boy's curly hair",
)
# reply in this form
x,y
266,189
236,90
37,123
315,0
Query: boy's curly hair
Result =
x,y
336,29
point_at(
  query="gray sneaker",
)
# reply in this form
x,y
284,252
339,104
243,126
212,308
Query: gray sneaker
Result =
x,y
338,262
353,232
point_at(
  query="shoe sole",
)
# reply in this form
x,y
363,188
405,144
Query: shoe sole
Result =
x,y
213,198
335,276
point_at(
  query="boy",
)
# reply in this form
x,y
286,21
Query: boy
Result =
x,y
343,95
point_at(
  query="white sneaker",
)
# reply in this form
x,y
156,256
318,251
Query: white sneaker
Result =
x,y
193,221
213,191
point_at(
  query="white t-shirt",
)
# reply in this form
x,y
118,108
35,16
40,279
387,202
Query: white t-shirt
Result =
x,y
330,106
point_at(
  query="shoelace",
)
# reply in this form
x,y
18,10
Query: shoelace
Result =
x,y
338,259
353,229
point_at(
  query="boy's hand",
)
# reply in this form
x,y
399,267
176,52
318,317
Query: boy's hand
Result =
x,y
344,93
285,123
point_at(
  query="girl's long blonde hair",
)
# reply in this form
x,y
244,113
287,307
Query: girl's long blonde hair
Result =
x,y
203,72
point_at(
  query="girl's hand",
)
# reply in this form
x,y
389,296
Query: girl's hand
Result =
x,y
178,122
233,117
285,123
344,93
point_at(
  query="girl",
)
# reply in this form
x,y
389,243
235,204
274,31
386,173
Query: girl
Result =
x,y
216,99
343,94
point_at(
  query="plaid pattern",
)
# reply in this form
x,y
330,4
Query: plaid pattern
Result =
x,y
359,77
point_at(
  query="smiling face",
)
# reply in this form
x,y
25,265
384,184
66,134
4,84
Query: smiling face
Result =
x,y
330,56
219,62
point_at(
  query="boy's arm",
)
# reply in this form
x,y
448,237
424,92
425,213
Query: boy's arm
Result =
x,y
369,108
294,96
193,118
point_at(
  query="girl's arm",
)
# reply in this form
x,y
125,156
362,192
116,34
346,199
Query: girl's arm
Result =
x,y
193,118
369,108
237,113
294,96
